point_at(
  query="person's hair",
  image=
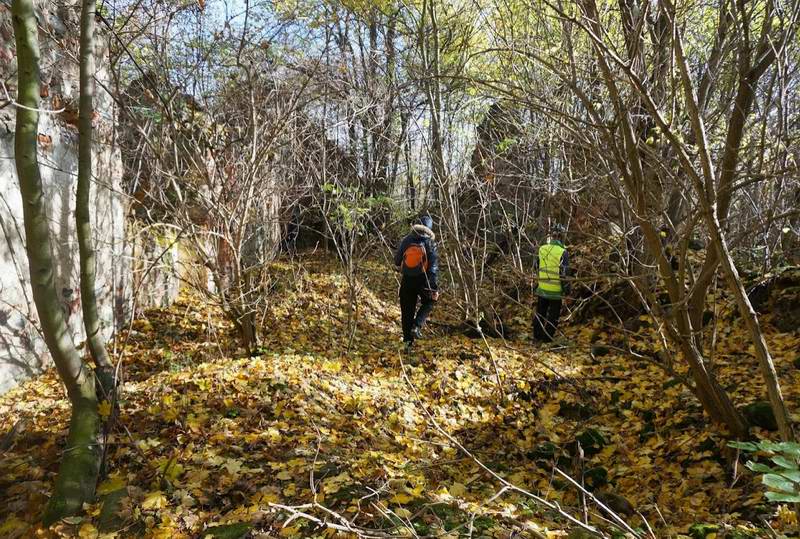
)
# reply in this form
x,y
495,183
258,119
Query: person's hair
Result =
x,y
424,217
557,231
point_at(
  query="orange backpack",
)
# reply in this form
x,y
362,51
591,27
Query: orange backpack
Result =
x,y
415,260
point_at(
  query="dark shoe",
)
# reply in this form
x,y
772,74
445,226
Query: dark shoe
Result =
x,y
409,358
416,332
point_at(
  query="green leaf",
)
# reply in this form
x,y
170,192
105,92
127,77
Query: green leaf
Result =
x,y
744,446
701,530
229,531
783,462
792,475
790,448
783,497
770,447
778,482
758,467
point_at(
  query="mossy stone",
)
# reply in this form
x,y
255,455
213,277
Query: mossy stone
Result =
x,y
759,414
592,441
543,451
595,477
702,530
575,411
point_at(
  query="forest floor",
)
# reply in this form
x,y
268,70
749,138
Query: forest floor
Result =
x,y
333,425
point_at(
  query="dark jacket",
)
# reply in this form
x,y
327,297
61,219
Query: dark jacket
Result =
x,y
421,233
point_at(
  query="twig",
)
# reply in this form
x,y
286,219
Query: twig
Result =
x,y
8,439
584,505
314,464
658,510
494,364
21,106
553,506
296,512
585,492
533,358
652,533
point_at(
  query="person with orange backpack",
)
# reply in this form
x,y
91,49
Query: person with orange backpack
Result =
x,y
418,262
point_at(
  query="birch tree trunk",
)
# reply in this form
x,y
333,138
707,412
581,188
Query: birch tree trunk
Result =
x,y
80,463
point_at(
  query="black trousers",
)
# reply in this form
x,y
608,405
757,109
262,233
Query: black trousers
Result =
x,y
411,290
545,321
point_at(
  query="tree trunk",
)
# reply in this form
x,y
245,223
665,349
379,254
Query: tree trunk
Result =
x,y
715,205
433,92
80,464
715,400
713,397
751,320
83,224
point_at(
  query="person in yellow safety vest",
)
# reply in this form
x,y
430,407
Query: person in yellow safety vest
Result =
x,y
552,265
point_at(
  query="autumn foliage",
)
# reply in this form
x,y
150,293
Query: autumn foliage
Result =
x,y
310,435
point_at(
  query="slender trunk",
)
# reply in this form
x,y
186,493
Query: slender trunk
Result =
x,y
247,317
80,463
411,192
248,333
91,318
751,320
715,400
748,77
433,92
715,206
389,144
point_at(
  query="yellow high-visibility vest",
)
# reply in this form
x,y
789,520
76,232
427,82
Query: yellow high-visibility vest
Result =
x,y
550,270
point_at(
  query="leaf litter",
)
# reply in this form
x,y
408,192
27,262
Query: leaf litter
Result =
x,y
323,431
